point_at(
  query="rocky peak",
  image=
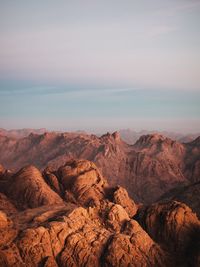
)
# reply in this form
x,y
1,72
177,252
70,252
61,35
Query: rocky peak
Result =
x,y
150,139
116,136
196,142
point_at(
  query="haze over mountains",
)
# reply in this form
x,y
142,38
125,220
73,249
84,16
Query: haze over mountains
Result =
x,y
131,136
128,135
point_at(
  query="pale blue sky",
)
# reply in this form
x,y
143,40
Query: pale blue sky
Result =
x,y
100,65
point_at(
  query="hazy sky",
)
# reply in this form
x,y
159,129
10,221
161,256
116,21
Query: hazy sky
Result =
x,y
100,65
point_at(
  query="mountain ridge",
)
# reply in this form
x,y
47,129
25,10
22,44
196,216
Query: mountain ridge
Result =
x,y
149,168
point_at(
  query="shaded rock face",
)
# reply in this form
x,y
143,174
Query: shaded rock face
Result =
x,y
190,195
6,205
152,166
95,225
173,225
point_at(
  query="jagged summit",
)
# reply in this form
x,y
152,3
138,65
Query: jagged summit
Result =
x,y
116,136
150,139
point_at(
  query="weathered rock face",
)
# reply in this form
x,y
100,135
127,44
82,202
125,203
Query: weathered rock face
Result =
x,y
79,238
6,205
79,181
134,247
175,226
84,181
29,189
190,195
148,169
93,226
121,197
7,232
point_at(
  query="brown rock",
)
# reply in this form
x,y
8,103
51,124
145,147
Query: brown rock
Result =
x,y
117,216
51,232
84,181
53,182
134,247
121,197
7,232
175,226
190,195
34,246
29,189
6,205
10,257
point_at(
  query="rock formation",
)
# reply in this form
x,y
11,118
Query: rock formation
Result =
x,y
28,189
173,225
190,195
70,216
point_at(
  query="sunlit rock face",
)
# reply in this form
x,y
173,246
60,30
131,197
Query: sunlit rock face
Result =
x,y
71,216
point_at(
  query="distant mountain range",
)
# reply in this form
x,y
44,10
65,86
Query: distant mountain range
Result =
x,y
131,136
147,169
128,135
20,133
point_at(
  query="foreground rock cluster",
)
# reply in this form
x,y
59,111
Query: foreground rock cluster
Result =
x,y
70,216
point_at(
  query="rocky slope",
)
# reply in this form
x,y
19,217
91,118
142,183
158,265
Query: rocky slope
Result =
x,y
148,169
189,195
75,218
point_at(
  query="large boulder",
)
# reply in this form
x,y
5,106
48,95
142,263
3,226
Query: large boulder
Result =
x,y
82,180
28,189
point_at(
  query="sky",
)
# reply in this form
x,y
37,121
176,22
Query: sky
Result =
x,y
100,65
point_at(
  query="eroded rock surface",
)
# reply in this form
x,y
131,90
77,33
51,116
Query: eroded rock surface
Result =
x,y
122,198
175,226
71,217
28,189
